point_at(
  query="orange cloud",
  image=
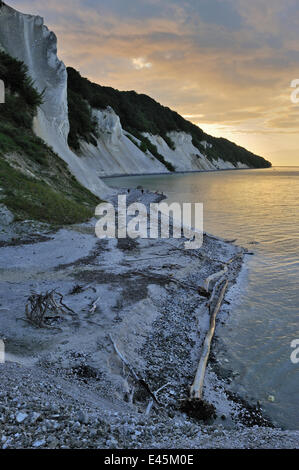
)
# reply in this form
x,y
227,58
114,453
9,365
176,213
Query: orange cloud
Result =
x,y
224,63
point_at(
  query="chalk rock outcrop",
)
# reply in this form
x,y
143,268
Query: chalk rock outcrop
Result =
x,y
26,38
117,152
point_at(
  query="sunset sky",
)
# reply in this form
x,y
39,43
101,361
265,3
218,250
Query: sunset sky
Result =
x,y
226,65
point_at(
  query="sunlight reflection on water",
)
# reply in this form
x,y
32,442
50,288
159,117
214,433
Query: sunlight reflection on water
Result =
x,y
253,206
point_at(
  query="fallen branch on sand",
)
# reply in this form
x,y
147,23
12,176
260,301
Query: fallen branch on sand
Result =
x,y
138,379
214,277
214,292
41,309
222,272
151,402
94,306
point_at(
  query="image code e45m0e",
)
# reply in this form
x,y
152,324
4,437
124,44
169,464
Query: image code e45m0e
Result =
x,y
175,459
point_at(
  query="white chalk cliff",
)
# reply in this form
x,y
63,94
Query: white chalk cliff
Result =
x,y
117,152
187,157
26,38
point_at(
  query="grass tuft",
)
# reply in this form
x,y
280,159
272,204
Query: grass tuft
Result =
x,y
35,182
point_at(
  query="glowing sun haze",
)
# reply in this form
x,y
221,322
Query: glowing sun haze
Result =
x,y
226,65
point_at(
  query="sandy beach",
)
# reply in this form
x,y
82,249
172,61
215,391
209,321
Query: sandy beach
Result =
x,y
65,386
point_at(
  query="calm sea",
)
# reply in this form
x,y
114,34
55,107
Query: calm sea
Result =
x,y
259,208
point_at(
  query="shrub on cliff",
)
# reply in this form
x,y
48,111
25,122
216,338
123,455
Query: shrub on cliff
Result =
x,y
35,182
14,73
82,124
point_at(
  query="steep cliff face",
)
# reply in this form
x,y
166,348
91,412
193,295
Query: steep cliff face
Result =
x,y
26,38
116,151
184,156
158,131
130,133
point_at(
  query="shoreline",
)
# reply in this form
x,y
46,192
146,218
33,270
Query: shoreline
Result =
x,y
173,173
64,386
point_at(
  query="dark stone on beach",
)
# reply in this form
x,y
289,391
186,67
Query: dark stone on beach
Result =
x,y
85,372
127,244
82,417
77,289
199,409
203,292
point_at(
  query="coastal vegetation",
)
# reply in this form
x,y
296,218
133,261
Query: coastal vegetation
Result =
x,y
35,182
81,93
141,114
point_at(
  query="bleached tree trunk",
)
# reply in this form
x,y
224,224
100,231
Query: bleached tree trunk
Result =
x,y
197,386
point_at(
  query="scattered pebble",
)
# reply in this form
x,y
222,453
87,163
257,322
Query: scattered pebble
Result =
x,y
21,417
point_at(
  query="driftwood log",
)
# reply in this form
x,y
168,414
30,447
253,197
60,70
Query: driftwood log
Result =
x,y
214,277
197,386
94,305
195,406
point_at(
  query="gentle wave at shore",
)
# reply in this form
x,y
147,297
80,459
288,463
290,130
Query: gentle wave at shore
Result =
x,y
260,209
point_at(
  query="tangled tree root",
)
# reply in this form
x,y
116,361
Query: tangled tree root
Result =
x,y
42,309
